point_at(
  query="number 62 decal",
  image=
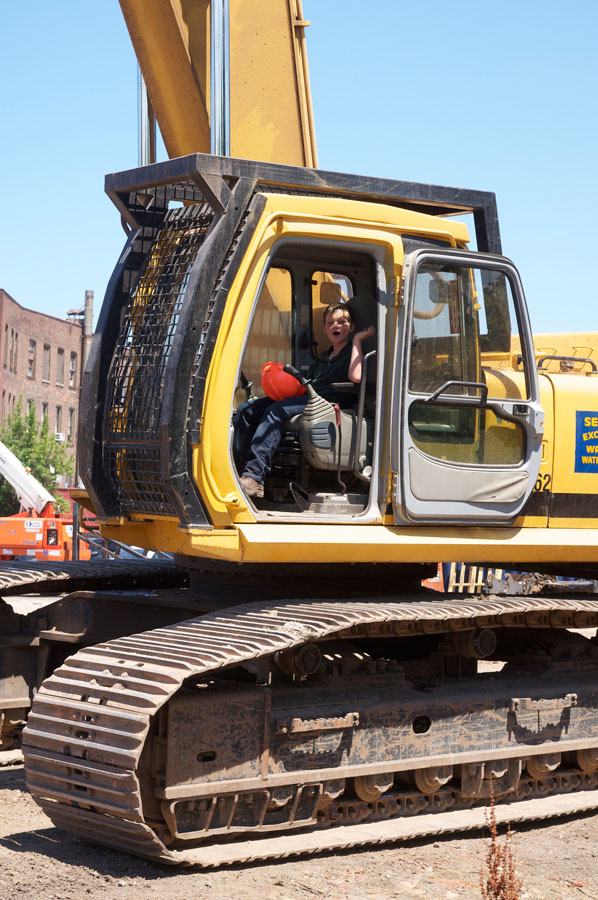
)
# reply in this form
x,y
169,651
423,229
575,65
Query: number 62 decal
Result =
x,y
543,482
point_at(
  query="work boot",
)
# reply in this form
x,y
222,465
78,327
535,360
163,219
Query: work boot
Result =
x,y
251,487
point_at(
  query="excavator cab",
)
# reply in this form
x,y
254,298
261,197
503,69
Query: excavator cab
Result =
x,y
323,464
229,264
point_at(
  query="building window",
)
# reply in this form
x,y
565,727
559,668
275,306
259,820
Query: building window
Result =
x,y
11,357
31,359
5,346
71,425
60,366
44,412
46,368
30,406
58,428
73,371
3,404
16,353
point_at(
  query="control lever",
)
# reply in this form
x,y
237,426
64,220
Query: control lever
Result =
x,y
291,370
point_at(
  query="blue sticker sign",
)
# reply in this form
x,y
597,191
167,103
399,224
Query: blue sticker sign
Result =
x,y
586,441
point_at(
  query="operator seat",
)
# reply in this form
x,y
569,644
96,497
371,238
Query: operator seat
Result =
x,y
329,441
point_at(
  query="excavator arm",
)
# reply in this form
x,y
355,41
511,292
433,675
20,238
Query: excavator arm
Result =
x,y
270,102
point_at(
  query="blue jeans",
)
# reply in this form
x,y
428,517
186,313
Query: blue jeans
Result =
x,y
259,426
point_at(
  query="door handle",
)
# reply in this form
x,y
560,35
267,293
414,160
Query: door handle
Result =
x,y
447,384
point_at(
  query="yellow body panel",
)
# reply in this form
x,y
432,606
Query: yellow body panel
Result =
x,y
575,344
544,479
270,102
565,397
583,345
352,543
575,440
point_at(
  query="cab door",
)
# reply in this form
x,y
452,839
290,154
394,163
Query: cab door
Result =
x,y
467,421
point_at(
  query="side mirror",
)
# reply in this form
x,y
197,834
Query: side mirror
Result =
x,y
439,291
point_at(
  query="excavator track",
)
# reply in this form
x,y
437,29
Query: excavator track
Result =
x,y
21,577
113,745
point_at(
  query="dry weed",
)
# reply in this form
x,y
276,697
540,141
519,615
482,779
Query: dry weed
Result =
x,y
498,878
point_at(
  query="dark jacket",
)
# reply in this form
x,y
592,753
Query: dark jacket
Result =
x,y
324,371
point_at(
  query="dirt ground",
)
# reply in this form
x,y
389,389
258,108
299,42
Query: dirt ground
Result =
x,y
555,861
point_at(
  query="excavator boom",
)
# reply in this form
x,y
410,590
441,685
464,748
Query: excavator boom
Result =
x,y
270,101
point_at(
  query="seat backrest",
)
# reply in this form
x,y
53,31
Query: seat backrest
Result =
x,y
364,310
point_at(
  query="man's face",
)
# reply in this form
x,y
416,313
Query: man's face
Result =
x,y
338,327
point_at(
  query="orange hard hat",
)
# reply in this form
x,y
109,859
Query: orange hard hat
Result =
x,y
278,384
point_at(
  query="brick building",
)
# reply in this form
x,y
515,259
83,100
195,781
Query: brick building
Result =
x,y
41,364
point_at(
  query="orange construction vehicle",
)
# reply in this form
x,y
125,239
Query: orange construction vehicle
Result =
x,y
37,531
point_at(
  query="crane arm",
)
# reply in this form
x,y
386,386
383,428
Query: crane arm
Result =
x,y
30,493
270,99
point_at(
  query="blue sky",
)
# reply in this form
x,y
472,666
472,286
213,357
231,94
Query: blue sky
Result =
x,y
494,97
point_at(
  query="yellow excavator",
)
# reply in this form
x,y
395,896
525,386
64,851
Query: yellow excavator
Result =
x,y
291,687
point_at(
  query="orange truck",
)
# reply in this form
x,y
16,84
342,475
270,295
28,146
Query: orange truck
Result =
x,y
37,530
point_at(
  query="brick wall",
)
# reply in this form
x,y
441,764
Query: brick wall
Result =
x,y
40,362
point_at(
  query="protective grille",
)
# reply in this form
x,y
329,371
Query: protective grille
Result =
x,y
207,318
134,474
137,374
136,378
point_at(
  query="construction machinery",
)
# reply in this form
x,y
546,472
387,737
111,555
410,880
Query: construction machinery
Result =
x,y
302,691
36,530
286,685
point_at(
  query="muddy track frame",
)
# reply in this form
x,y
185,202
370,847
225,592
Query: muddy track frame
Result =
x,y
90,720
